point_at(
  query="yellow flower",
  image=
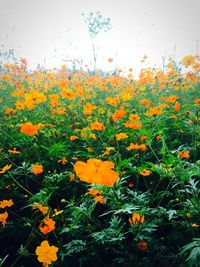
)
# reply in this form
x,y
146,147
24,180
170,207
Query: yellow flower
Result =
x,y
188,60
13,151
63,161
5,168
46,253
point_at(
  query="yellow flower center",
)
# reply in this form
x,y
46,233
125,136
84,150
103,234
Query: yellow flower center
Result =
x,y
97,163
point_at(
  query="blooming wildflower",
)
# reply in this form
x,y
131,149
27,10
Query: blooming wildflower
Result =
x,y
5,168
141,147
57,212
29,128
37,169
145,172
88,109
93,136
113,101
118,114
96,171
3,218
134,117
136,219
121,136
142,245
98,197
171,99
197,101
6,203
63,161
145,102
13,151
184,155
135,125
154,111
177,106
43,209
10,111
46,253
47,225
97,126
73,137
188,60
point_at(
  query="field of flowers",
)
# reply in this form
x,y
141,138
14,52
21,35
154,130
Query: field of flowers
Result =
x,y
100,169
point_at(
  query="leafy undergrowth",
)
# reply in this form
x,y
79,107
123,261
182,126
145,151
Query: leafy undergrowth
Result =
x,y
100,169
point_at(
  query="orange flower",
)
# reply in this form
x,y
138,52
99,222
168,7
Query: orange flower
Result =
x,y
121,136
43,209
142,245
29,128
171,99
63,161
5,168
136,219
6,203
47,225
37,169
145,102
145,172
141,147
13,151
113,101
177,106
134,117
93,136
118,114
154,111
46,253
73,137
133,125
184,155
96,171
97,126
88,109
3,217
98,197
197,101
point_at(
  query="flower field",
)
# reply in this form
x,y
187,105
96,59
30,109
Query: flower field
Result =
x,y
99,169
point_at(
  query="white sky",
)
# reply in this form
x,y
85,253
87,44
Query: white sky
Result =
x,y
55,30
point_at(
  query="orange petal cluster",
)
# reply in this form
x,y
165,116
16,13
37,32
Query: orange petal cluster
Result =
x,y
96,171
46,253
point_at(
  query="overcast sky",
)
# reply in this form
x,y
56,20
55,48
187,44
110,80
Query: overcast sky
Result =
x,y
55,31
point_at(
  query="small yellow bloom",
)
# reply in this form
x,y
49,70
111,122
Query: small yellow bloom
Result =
x,y
5,168
46,253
